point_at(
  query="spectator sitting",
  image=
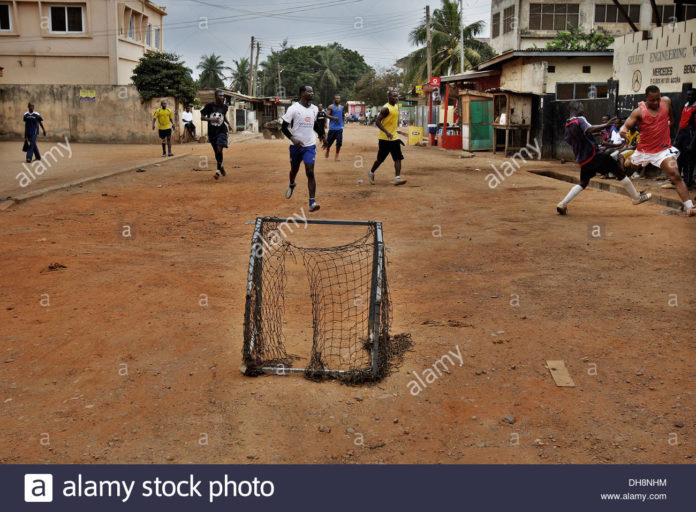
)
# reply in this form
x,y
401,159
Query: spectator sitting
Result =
x,y
187,119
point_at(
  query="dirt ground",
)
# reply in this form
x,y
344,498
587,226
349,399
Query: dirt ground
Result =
x,y
131,353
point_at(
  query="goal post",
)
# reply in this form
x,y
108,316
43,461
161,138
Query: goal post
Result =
x,y
350,336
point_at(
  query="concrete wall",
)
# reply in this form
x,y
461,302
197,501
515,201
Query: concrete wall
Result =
x,y
32,54
116,116
530,74
509,41
667,60
523,38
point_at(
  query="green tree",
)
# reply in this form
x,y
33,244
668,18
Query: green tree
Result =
x,y
240,76
212,72
161,74
330,69
446,45
328,64
574,39
372,88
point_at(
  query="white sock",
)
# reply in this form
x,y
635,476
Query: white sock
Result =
x,y
688,204
573,192
628,186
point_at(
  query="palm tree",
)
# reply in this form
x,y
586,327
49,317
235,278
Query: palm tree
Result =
x,y
212,71
240,76
327,62
445,44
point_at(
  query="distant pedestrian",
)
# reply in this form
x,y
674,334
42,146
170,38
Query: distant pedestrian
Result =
x,y
187,119
32,122
165,119
335,115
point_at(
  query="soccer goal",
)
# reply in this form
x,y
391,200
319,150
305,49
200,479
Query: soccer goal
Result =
x,y
347,287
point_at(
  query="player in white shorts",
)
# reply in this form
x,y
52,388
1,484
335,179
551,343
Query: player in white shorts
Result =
x,y
655,145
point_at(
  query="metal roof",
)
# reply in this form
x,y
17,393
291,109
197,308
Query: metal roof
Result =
x,y
469,75
513,54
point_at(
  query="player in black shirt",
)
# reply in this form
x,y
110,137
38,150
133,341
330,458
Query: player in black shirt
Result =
x,y
216,116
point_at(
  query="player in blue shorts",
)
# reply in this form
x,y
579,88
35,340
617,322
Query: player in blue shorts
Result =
x,y
299,125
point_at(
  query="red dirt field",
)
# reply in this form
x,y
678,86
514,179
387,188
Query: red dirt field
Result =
x,y
116,358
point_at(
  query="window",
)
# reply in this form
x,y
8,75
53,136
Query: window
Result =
x,y
609,13
581,91
67,19
148,35
131,27
587,69
5,22
495,25
553,16
157,38
551,69
509,23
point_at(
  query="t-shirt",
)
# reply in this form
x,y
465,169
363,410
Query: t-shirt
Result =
x,y
31,123
217,112
616,138
301,120
583,144
164,118
187,117
688,114
337,112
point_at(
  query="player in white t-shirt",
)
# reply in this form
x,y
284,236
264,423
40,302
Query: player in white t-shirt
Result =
x,y
299,125
187,119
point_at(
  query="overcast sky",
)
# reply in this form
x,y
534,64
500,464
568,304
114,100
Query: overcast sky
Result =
x,y
378,29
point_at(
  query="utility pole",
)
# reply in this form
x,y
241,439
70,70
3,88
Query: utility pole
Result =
x,y
251,68
280,86
256,68
430,72
427,35
461,37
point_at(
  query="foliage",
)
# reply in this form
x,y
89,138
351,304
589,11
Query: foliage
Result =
x,y
574,39
212,72
372,88
446,45
160,74
330,69
240,76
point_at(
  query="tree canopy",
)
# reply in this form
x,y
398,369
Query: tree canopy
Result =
x,y
574,39
160,74
445,44
212,72
330,69
372,88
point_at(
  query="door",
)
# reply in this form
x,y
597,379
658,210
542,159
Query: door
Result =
x,y
481,119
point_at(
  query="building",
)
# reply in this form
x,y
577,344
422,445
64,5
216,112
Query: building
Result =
x,y
567,75
524,24
76,42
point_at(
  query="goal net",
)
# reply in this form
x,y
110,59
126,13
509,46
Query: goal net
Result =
x,y
347,288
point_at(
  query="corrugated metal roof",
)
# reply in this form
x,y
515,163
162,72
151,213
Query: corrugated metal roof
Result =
x,y
513,54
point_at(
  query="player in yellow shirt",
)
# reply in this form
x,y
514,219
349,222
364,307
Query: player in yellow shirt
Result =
x,y
389,143
165,122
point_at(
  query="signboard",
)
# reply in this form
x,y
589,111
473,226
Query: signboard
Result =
x,y
666,60
419,89
435,81
88,95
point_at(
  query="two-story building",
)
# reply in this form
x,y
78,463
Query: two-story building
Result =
x,y
76,41
524,24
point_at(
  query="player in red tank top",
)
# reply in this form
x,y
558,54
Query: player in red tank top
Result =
x,y
655,147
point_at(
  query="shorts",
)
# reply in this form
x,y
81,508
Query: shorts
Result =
x,y
387,147
219,138
643,159
165,133
306,154
335,135
624,154
602,163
